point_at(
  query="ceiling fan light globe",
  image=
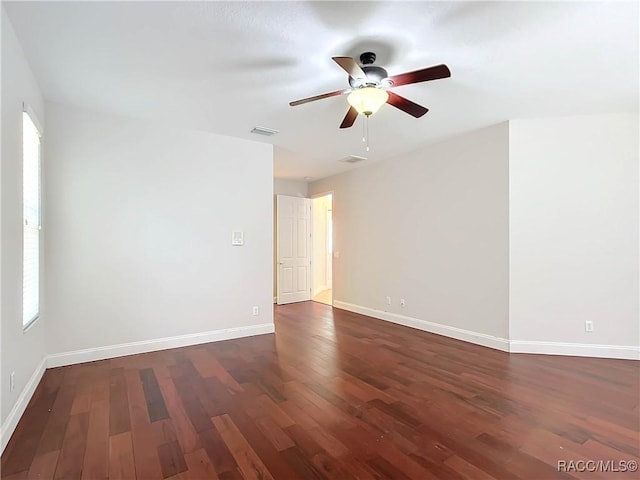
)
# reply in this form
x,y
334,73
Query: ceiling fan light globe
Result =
x,y
367,100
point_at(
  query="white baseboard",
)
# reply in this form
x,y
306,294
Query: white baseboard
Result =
x,y
446,330
626,352
11,422
113,351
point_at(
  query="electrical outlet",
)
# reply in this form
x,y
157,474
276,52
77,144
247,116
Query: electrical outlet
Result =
x,y
588,326
256,311
12,381
388,300
402,303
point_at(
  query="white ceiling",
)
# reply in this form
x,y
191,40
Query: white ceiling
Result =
x,y
226,67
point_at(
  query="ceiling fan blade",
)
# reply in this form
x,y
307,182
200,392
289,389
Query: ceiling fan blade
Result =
x,y
406,105
349,118
350,66
430,73
319,97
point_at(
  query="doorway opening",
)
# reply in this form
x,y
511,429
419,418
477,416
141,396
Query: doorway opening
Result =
x,y
322,248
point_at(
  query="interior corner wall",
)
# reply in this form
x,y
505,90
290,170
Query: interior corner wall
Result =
x,y
140,220
430,227
22,352
292,188
574,230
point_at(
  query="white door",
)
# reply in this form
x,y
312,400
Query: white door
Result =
x,y
293,241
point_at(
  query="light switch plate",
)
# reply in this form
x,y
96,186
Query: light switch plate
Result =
x,y
237,238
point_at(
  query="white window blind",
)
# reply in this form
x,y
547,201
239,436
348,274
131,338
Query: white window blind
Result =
x,y
31,223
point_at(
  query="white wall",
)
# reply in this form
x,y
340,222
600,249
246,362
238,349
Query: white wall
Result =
x,y
22,352
292,188
430,227
518,232
574,229
139,231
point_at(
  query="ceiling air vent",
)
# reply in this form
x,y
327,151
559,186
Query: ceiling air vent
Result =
x,y
353,159
264,131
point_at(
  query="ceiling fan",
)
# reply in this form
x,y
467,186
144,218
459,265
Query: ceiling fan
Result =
x,y
370,86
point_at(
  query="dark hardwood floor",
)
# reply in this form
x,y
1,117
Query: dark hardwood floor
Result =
x,y
332,395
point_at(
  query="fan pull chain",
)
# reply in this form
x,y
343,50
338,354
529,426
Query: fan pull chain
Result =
x,y
367,128
365,131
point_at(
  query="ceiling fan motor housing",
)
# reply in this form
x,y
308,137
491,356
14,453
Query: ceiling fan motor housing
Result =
x,y
375,76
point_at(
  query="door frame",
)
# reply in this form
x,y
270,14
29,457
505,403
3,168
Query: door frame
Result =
x,y
333,233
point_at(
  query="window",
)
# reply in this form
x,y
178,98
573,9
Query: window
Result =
x,y
31,217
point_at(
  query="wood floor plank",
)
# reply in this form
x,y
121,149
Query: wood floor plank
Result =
x,y
386,470
96,458
121,463
155,401
81,403
43,466
298,414
71,460
328,442
119,421
24,443
199,466
302,465
272,459
218,452
193,407
24,475
201,360
214,397
516,461
275,434
303,440
184,430
172,460
208,366
248,461
146,460
265,406
164,432
331,468
332,395
467,470
404,437
433,469
53,433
